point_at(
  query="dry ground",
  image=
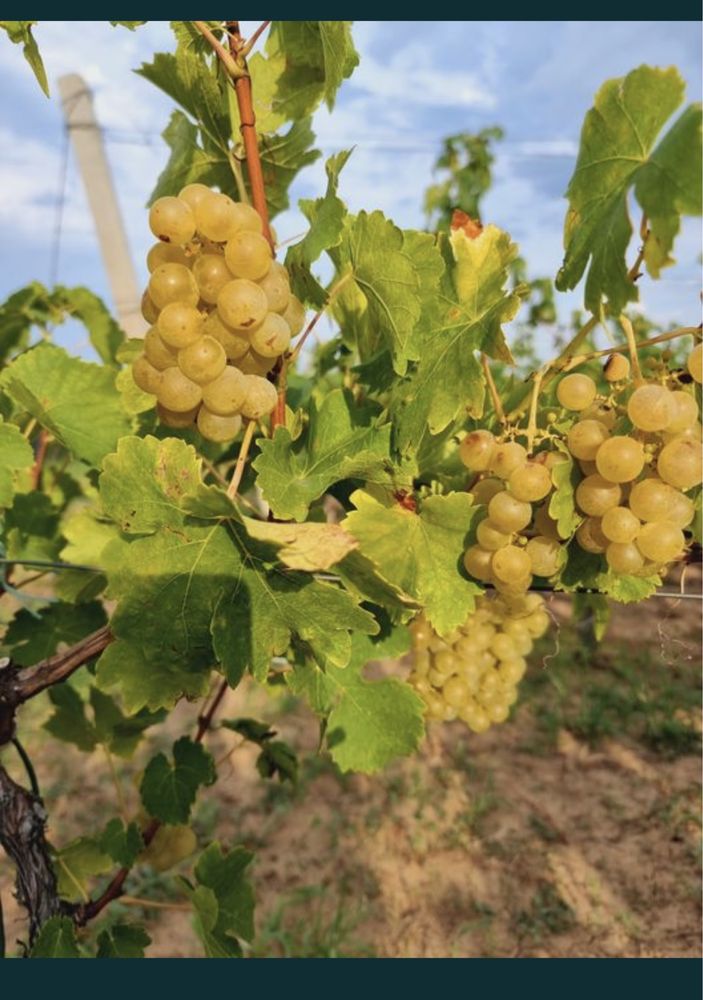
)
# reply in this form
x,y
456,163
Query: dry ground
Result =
x,y
572,830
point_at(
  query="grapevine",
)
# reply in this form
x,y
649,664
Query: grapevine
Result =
x,y
210,503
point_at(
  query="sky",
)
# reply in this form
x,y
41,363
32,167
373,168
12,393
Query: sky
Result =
x,y
416,83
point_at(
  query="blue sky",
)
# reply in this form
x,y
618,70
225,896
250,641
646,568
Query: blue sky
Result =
x,y
536,79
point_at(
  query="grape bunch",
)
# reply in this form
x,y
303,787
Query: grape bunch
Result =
x,y
473,675
639,451
221,314
511,484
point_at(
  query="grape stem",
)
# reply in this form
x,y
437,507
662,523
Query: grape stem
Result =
x,y
497,405
251,42
39,459
532,421
634,273
233,487
579,359
632,349
153,904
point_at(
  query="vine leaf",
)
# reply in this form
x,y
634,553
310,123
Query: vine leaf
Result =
x,y
75,400
16,458
122,843
119,733
342,440
56,939
616,152
464,313
33,636
420,553
223,901
562,505
123,940
319,56
326,216
76,864
309,546
168,791
20,32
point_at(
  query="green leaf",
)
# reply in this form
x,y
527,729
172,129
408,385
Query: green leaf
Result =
x,y
627,589
78,402
595,606
56,939
326,217
421,552
69,722
562,506
259,616
31,638
76,864
130,25
120,733
276,757
319,55
224,874
342,440
20,32
105,334
123,940
207,911
16,457
283,156
310,546
461,316
168,791
143,485
122,843
617,138
31,528
191,160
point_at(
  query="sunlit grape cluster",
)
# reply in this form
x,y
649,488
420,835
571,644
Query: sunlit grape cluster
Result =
x,y
474,674
639,451
503,554
221,310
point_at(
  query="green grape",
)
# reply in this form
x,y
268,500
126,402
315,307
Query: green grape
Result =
x,y
484,489
620,459
537,623
253,364
681,510
680,463
650,408
145,375
685,412
661,541
203,361
590,536
261,397
695,363
225,394
544,524
294,316
601,412
546,555
482,635
272,338
620,525
166,253
594,495
650,499
173,283
503,646
435,705
242,305
624,558
475,450
157,352
498,712
530,482
616,368
247,218
507,457
694,432
588,468
585,438
248,255
477,563
510,564
476,719
508,513
444,662
489,537
216,217
177,392
576,392
169,418
276,288
549,459
216,428
148,309
235,345
212,274
172,220
490,685
513,670
179,325
194,194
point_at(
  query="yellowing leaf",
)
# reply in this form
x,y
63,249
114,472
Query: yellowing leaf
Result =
x,y
310,546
